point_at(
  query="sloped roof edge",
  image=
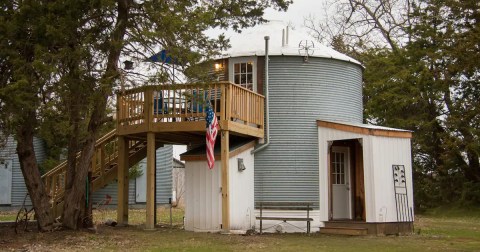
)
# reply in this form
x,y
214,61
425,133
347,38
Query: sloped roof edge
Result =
x,y
365,129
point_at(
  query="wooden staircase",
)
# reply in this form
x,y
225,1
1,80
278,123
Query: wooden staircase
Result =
x,y
103,168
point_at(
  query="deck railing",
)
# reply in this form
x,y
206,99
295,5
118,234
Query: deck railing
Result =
x,y
187,102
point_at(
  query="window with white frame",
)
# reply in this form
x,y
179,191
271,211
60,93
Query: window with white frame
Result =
x,y
243,71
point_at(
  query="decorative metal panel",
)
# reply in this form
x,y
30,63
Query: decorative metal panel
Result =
x,y
300,94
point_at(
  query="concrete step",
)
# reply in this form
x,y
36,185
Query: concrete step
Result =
x,y
344,231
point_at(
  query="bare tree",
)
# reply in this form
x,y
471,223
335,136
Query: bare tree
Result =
x,y
363,24
178,177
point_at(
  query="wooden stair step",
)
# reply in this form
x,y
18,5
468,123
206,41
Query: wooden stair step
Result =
x,y
344,230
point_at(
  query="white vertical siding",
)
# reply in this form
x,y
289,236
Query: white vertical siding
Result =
x,y
388,152
203,205
379,154
324,136
242,216
203,199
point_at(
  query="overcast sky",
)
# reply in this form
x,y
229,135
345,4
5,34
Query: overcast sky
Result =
x,y
297,11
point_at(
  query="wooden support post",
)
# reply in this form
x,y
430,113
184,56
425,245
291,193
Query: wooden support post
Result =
x,y
225,181
150,219
122,205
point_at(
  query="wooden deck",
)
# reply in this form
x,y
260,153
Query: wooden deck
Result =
x,y
151,116
176,113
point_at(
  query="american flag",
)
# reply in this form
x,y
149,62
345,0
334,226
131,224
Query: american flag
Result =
x,y
212,129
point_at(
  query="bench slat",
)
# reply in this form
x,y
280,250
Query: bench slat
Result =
x,y
286,208
267,203
285,218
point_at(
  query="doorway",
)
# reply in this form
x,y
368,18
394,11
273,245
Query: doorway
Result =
x,y
340,177
347,189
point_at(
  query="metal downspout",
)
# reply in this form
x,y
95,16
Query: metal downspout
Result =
x,y
267,107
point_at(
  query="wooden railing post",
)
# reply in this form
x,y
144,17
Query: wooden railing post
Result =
x,y
223,102
102,163
228,101
119,109
148,107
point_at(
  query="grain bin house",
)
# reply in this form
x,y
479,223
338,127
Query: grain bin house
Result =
x,y
315,148
291,148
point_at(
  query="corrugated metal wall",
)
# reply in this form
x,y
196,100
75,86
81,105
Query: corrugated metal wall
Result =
x,y
301,93
164,174
8,152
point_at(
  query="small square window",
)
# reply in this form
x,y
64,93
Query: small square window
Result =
x,y
243,74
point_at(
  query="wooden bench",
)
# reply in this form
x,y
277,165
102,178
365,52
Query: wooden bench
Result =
x,y
302,206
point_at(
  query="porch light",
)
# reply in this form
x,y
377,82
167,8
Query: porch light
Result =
x,y
218,66
241,165
128,65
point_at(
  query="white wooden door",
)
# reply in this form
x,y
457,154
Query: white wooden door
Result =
x,y
5,182
141,185
341,193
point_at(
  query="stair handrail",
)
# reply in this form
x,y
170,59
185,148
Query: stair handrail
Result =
x,y
98,143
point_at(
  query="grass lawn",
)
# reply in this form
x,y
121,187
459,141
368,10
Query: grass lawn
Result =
x,y
433,232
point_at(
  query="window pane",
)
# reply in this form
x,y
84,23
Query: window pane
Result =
x,y
249,78
237,68
244,79
237,79
244,67
250,67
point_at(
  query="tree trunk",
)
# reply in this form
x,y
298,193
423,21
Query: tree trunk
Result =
x,y
33,180
75,205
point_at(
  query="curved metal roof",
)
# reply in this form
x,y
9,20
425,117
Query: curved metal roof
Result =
x,y
251,43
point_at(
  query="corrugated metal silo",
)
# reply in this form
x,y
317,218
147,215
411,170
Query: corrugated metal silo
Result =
x,y
301,93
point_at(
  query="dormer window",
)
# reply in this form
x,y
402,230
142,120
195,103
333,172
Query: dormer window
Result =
x,y
243,72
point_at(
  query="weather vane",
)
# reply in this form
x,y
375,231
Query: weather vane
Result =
x,y
306,48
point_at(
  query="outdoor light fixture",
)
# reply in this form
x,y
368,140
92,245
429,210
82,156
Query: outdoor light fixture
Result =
x,y
218,66
241,165
128,65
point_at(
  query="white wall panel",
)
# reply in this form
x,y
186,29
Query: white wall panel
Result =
x,y
388,152
242,206
202,197
379,154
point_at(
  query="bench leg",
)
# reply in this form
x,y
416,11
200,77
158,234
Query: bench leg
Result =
x,y
260,226
308,227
